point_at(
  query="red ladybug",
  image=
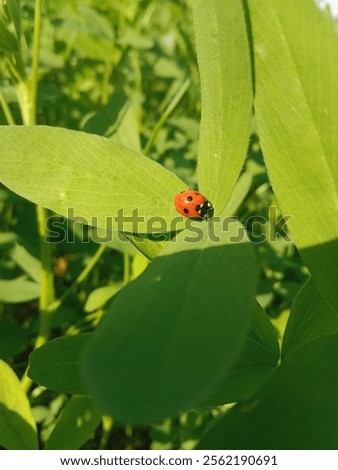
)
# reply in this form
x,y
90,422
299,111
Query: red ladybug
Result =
x,y
193,204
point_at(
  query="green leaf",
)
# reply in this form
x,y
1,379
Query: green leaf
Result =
x,y
238,195
311,317
56,365
317,69
115,240
92,176
18,290
93,47
139,265
149,247
14,14
299,141
170,335
12,339
8,41
27,262
297,407
17,426
100,296
117,121
76,423
224,66
256,362
7,238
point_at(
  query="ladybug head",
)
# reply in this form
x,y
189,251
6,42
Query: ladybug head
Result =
x,y
206,210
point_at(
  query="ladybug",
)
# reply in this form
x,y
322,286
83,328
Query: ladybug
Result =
x,y
193,204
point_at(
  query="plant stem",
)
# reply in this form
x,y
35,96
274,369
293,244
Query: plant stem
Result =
x,y
47,279
47,289
165,115
35,65
7,112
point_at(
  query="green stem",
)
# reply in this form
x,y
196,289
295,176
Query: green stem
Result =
x,y
35,65
46,289
47,279
165,115
6,110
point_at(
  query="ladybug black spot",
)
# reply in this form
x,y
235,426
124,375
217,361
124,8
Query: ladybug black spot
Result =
x,y
198,208
197,194
186,211
189,199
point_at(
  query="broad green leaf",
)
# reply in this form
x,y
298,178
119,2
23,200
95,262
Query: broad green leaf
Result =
x,y
18,290
100,296
298,141
256,362
297,407
313,43
12,339
17,426
80,175
311,317
56,365
27,262
76,423
170,335
226,89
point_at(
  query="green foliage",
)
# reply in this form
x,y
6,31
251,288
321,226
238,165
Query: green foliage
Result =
x,y
226,90
57,364
17,290
17,426
258,358
165,368
12,339
298,140
311,317
77,421
305,383
210,334
91,175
